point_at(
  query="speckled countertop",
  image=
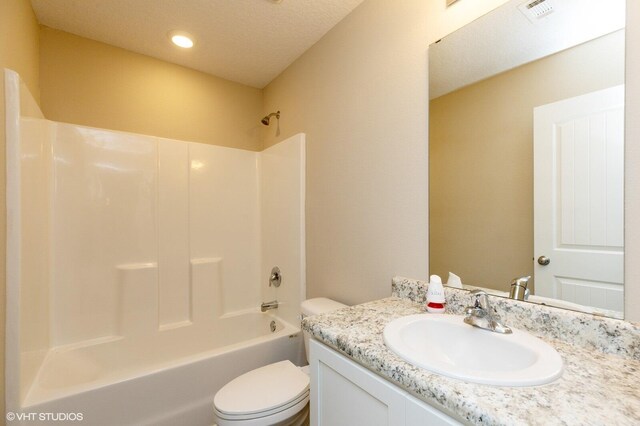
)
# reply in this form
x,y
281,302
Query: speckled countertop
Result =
x,y
600,384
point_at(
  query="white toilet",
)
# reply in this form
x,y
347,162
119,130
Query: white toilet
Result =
x,y
276,394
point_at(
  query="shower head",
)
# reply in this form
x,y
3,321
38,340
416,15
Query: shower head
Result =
x,y
267,118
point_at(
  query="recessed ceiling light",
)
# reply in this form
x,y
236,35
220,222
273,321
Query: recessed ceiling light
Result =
x,y
181,39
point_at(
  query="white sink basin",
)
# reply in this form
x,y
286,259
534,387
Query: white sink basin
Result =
x,y
444,344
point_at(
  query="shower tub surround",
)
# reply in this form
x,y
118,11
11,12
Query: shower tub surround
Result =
x,y
137,266
599,385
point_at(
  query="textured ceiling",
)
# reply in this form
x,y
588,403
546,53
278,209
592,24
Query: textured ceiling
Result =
x,y
247,41
505,39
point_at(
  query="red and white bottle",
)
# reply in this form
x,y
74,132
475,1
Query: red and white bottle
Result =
x,y
435,295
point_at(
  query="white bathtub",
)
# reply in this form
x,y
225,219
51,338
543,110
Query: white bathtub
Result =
x,y
168,378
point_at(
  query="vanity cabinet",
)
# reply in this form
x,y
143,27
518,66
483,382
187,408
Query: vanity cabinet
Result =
x,y
345,393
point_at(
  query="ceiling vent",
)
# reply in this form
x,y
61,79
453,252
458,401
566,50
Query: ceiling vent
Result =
x,y
535,10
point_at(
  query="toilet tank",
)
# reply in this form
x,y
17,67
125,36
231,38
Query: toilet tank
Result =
x,y
319,305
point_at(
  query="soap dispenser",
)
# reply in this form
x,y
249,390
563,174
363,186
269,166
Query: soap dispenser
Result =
x,y
435,295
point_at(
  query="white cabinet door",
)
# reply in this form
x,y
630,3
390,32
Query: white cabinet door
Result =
x,y
345,393
341,395
420,414
578,199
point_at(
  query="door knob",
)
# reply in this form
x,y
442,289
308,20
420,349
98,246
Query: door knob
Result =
x,y
544,260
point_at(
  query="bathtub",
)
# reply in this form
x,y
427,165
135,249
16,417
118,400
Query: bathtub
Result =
x,y
167,378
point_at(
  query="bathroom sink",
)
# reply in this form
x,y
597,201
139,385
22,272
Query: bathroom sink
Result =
x,y
444,344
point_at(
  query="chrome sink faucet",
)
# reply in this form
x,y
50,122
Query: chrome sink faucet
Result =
x,y
266,306
482,316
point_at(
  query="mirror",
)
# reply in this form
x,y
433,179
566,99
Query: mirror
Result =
x,y
526,153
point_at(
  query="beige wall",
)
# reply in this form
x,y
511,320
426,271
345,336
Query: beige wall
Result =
x,y
481,161
632,171
94,84
18,51
361,96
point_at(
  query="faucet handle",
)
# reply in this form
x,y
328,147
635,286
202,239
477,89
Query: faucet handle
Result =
x,y
481,315
275,279
521,281
519,289
478,294
482,302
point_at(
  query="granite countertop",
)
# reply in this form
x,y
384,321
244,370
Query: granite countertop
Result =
x,y
600,384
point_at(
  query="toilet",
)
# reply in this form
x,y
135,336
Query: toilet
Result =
x,y
273,395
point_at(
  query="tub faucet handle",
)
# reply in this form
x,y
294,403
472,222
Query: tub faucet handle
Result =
x,y
276,277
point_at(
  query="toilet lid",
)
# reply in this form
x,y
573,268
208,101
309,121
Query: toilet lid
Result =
x,y
263,389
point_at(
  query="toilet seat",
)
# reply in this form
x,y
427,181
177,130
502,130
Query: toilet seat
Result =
x,y
274,415
267,391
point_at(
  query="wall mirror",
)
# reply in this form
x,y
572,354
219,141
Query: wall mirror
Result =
x,y
526,153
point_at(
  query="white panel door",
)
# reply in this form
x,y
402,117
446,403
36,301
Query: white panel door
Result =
x,y
579,199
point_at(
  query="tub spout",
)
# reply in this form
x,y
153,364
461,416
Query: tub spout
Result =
x,y
266,306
